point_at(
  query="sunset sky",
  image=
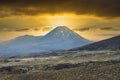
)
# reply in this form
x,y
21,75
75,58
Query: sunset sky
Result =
x,y
93,19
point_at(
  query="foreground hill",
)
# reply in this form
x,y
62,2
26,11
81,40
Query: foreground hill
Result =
x,y
108,44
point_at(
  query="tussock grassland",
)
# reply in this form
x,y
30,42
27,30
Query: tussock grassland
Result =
x,y
86,65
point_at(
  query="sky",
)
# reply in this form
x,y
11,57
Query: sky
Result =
x,y
93,19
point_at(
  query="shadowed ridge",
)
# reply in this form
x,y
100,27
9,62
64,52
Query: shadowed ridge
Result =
x,y
107,44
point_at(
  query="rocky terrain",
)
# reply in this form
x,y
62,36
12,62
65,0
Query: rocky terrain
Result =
x,y
67,65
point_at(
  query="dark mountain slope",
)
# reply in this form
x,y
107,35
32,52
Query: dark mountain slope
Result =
x,y
108,44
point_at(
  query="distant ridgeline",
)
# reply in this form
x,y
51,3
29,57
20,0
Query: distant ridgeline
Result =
x,y
60,38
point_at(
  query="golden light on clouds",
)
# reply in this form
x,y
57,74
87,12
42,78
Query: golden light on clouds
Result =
x,y
60,20
92,19
89,26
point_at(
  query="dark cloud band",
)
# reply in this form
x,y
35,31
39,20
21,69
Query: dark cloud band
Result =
x,y
24,29
110,28
83,29
104,8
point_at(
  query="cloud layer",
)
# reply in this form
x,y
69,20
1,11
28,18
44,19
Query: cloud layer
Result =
x,y
104,8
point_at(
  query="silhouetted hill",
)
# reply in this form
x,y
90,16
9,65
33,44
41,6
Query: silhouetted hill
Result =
x,y
108,44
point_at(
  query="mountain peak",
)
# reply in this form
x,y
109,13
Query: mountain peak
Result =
x,y
63,33
61,29
60,32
